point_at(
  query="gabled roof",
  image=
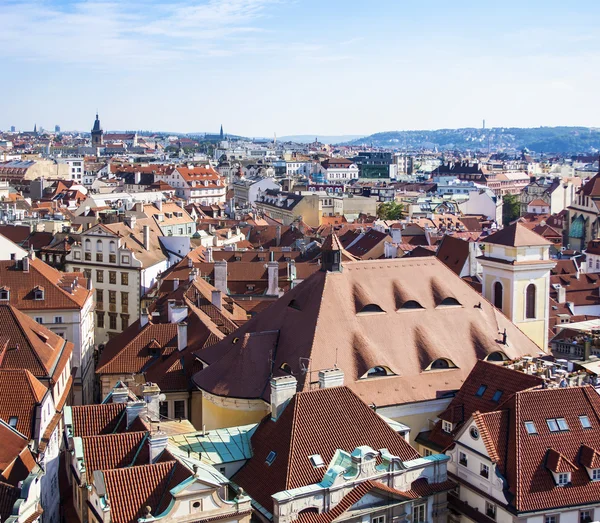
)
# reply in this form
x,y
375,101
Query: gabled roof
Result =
x,y
21,395
516,235
324,311
25,344
13,444
454,253
93,420
112,451
315,422
130,490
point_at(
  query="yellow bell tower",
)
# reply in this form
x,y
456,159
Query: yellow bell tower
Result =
x,y
516,278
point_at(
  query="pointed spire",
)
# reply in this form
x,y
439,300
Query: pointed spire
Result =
x,y
221,134
35,128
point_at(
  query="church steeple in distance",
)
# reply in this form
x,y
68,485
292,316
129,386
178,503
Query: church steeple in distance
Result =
x,y
221,133
97,133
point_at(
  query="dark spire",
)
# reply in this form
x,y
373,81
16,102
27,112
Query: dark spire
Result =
x,y
221,134
96,127
34,128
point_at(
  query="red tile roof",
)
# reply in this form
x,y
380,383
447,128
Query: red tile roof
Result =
x,y
8,496
315,422
112,451
22,405
130,490
25,344
93,420
13,444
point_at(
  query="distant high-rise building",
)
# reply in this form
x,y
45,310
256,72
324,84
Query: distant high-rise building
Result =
x,y
57,128
221,134
97,134
34,128
12,128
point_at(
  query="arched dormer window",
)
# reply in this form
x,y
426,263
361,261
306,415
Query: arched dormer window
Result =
x,y
285,367
99,245
378,371
88,245
411,305
441,363
496,356
450,302
371,308
498,295
530,297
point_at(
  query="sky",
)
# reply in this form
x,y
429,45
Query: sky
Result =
x,y
322,67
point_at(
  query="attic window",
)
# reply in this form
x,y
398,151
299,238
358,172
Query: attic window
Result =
x,y
38,293
497,395
530,427
564,478
481,390
271,458
371,308
316,461
235,340
285,367
441,363
294,305
377,371
450,302
12,421
4,294
585,422
557,424
411,305
496,356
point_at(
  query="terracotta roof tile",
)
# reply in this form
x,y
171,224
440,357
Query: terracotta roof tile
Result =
x,y
8,496
112,451
516,235
21,394
93,420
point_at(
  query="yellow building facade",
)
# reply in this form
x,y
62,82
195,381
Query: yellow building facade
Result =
x,y
516,268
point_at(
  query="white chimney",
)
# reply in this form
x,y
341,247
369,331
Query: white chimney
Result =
x,y
151,393
133,409
176,313
209,255
561,294
157,443
25,263
220,270
158,205
283,389
175,283
120,394
331,378
182,338
217,299
291,270
146,237
273,276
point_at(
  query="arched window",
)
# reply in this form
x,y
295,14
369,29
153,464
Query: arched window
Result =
x,y
88,245
411,304
376,371
530,301
441,363
99,245
496,356
449,302
113,246
285,367
498,295
371,308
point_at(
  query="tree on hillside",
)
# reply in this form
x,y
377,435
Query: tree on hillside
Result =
x,y
390,211
511,208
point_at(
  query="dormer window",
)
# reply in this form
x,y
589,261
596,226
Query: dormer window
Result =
x,y
4,294
563,478
316,461
411,305
371,308
450,302
447,426
595,474
38,293
375,372
440,364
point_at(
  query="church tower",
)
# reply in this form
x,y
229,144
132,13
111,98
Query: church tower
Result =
x,y
516,278
97,134
221,133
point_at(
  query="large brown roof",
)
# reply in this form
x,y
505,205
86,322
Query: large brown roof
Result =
x,y
320,321
93,420
314,422
112,451
454,253
12,445
516,235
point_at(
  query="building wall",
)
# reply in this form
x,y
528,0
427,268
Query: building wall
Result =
x,y
221,412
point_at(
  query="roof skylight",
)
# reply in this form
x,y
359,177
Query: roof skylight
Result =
x,y
271,458
530,427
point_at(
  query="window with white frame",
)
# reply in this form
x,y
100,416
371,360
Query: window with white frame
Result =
x,y
563,478
490,510
586,516
419,513
484,470
596,474
58,319
446,426
552,518
462,459
378,519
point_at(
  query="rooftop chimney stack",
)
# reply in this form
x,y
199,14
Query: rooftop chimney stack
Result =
x,y
217,299
143,318
283,389
182,335
176,313
158,443
151,393
273,275
25,263
331,378
175,283
146,237
220,270
120,394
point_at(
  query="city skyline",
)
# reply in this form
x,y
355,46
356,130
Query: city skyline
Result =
x,y
249,64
